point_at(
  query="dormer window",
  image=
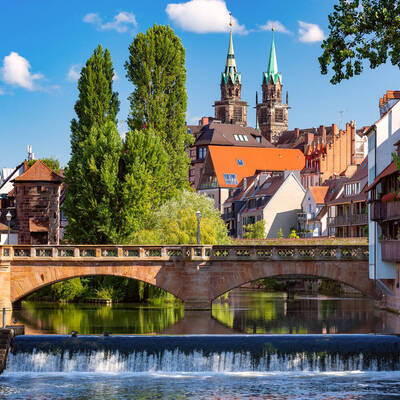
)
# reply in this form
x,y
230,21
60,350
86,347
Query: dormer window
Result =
x,y
201,153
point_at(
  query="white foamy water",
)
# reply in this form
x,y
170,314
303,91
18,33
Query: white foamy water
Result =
x,y
178,361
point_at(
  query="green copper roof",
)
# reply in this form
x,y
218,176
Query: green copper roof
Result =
x,y
230,66
272,65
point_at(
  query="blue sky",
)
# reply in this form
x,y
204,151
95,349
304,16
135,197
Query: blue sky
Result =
x,y
44,44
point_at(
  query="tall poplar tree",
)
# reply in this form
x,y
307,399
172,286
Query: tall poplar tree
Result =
x,y
144,165
156,67
92,175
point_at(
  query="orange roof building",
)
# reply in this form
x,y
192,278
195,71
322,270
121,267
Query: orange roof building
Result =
x,y
225,167
37,198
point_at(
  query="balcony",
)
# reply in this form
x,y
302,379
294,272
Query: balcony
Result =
x,y
390,250
385,211
228,215
378,211
348,220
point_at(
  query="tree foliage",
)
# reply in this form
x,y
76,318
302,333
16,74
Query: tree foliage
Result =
x,y
361,30
51,162
176,223
156,67
91,204
97,103
144,186
255,231
92,198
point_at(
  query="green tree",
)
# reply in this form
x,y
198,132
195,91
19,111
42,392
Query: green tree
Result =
x,y
92,199
176,223
255,231
156,67
97,103
144,186
280,233
91,202
51,162
361,30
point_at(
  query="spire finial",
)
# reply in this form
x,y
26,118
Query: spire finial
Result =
x,y
230,21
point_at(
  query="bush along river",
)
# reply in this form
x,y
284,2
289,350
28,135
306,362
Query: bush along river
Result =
x,y
226,361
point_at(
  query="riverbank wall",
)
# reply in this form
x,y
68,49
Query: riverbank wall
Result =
x,y
6,336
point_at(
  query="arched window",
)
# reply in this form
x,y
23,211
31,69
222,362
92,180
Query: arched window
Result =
x,y
230,92
237,92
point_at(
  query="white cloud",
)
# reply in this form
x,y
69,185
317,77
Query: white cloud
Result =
x,y
203,16
73,73
277,26
121,23
115,77
309,33
15,71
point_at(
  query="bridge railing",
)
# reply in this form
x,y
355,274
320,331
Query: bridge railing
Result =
x,y
187,253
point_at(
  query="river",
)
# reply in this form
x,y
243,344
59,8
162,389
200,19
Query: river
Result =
x,y
235,364
244,311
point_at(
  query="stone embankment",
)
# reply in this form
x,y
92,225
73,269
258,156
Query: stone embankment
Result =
x,y
6,336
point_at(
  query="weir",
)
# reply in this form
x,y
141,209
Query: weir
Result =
x,y
204,353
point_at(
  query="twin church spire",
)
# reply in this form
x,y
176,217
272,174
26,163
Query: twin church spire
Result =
x,y
271,113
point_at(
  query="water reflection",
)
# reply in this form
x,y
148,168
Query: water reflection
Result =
x,y
43,318
249,311
244,311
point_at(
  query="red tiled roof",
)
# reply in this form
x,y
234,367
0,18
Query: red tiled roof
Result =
x,y
389,170
319,193
39,172
225,161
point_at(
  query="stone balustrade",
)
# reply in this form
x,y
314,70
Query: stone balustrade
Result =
x,y
188,253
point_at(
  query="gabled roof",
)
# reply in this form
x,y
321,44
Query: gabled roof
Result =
x,y
361,171
225,161
319,193
224,135
39,172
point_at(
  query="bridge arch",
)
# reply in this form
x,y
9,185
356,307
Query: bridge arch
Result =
x,y
352,273
26,284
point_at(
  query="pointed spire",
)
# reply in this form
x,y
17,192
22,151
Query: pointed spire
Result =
x,y
272,70
230,66
230,58
273,63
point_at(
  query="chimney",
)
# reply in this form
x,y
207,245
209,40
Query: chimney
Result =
x,y
335,131
244,184
322,133
203,121
309,138
297,133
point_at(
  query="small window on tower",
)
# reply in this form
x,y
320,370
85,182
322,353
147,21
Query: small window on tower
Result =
x,y
240,162
278,115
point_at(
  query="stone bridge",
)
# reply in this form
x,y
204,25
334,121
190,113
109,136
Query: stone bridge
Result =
x,y
195,274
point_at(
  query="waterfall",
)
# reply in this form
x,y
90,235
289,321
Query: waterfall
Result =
x,y
215,354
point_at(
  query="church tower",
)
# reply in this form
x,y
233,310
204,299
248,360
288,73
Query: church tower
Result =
x,y
231,109
272,114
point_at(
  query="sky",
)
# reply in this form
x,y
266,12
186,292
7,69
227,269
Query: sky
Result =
x,y
45,43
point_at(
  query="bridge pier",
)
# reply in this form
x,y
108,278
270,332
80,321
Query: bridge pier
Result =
x,y
5,291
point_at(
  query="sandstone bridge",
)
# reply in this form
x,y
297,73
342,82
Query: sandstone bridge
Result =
x,y
195,274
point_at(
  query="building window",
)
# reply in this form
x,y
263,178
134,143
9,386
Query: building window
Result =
x,y
258,138
201,152
237,114
241,138
230,179
279,115
240,162
191,172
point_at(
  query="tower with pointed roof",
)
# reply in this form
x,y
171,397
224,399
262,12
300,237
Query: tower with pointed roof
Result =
x,y
231,109
272,114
